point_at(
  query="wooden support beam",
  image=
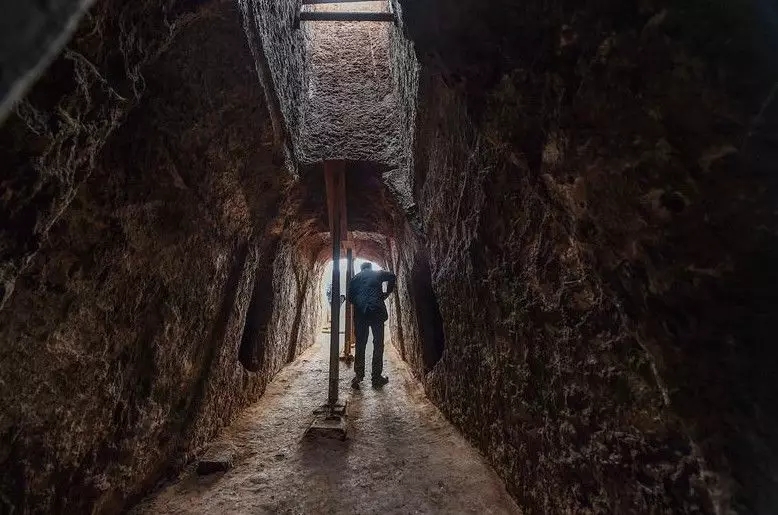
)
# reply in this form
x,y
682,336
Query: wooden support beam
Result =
x,y
347,16
330,168
347,245
333,177
332,391
349,308
335,182
342,203
312,2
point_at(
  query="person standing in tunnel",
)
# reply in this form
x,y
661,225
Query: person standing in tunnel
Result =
x,y
366,293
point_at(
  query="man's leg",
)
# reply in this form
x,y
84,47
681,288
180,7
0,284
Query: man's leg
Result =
x,y
377,327
361,328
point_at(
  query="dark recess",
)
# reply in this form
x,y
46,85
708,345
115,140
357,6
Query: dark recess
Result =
x,y
252,346
433,340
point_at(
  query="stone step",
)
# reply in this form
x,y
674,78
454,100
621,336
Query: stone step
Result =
x,y
219,457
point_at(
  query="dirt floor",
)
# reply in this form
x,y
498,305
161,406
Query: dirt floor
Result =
x,y
401,456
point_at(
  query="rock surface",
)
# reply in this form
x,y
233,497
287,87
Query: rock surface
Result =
x,y
598,213
146,235
51,144
220,457
278,48
350,110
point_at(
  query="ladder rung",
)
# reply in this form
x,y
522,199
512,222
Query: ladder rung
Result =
x,y
346,16
311,2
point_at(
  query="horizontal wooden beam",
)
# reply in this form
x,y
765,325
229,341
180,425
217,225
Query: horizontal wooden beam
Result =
x,y
347,16
311,2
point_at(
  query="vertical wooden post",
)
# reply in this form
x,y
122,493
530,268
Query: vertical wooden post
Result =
x,y
335,334
330,419
333,177
349,307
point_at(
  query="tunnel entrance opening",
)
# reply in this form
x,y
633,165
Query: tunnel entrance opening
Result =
x,y
428,317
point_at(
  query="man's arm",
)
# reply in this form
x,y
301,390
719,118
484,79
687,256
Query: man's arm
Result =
x,y
391,280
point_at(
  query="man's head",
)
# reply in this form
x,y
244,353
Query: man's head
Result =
x,y
366,266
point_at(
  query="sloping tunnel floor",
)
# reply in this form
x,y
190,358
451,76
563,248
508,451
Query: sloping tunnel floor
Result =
x,y
402,455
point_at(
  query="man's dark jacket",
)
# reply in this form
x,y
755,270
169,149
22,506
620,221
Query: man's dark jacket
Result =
x,y
366,293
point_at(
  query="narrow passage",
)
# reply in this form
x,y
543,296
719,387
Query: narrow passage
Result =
x,y
402,456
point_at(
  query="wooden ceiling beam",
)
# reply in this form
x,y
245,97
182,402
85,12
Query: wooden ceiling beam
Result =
x,y
335,182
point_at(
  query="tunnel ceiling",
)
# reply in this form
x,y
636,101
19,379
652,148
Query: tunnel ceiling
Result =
x,y
341,92
371,206
349,109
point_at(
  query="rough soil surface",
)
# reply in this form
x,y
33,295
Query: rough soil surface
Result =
x,y
279,54
402,456
125,346
599,218
51,143
350,108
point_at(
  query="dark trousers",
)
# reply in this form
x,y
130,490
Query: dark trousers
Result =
x,y
361,325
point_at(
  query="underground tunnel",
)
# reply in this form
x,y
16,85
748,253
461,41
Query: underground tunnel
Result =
x,y
577,199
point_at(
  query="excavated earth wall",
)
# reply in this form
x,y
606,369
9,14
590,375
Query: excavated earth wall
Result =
x,y
53,139
145,223
596,188
350,111
278,48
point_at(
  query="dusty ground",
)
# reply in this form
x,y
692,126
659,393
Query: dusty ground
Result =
x,y
402,456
